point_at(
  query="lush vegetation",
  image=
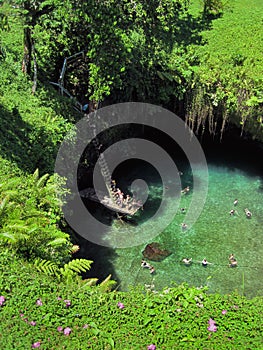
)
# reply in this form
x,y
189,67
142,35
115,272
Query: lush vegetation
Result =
x,y
202,59
204,56
42,311
228,83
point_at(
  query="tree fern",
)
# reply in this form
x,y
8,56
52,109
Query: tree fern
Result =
x,y
69,273
17,231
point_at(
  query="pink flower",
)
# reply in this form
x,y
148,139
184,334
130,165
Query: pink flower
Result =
x,y
151,347
39,302
33,323
22,315
211,322
60,329
67,331
36,345
58,298
120,305
68,303
224,312
212,328
2,300
86,326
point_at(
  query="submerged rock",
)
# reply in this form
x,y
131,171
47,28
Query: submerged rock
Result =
x,y
154,252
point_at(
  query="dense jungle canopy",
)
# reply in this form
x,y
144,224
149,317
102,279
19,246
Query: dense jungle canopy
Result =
x,y
201,59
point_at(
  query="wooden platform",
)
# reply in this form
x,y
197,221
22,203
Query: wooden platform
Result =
x,y
90,193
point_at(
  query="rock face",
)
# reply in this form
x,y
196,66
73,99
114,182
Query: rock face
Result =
x,y
154,252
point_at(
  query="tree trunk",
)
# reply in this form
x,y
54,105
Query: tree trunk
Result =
x,y
26,63
34,87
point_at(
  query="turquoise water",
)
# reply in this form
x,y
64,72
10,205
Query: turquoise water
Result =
x,y
214,236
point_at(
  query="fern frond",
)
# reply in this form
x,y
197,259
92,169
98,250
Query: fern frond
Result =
x,y
47,267
89,282
13,237
57,242
3,203
78,265
107,284
41,182
36,175
8,236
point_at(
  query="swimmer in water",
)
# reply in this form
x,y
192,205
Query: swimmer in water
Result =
x,y
187,261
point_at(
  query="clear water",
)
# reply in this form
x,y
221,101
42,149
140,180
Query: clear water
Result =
x,y
214,236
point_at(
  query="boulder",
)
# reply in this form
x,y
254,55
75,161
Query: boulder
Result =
x,y
154,252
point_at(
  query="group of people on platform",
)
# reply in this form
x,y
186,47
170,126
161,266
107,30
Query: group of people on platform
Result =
x,y
124,201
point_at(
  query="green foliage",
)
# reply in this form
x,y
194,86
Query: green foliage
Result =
x,y
213,8
4,26
30,217
174,318
67,273
125,44
228,79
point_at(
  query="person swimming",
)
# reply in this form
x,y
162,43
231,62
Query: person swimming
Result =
x,y
184,226
248,213
186,190
187,261
204,262
145,264
232,261
235,202
231,257
152,270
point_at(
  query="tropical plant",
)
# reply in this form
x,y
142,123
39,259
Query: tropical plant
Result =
x,y
30,217
69,273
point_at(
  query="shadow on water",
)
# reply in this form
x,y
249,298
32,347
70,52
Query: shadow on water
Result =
x,y
235,153
102,256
